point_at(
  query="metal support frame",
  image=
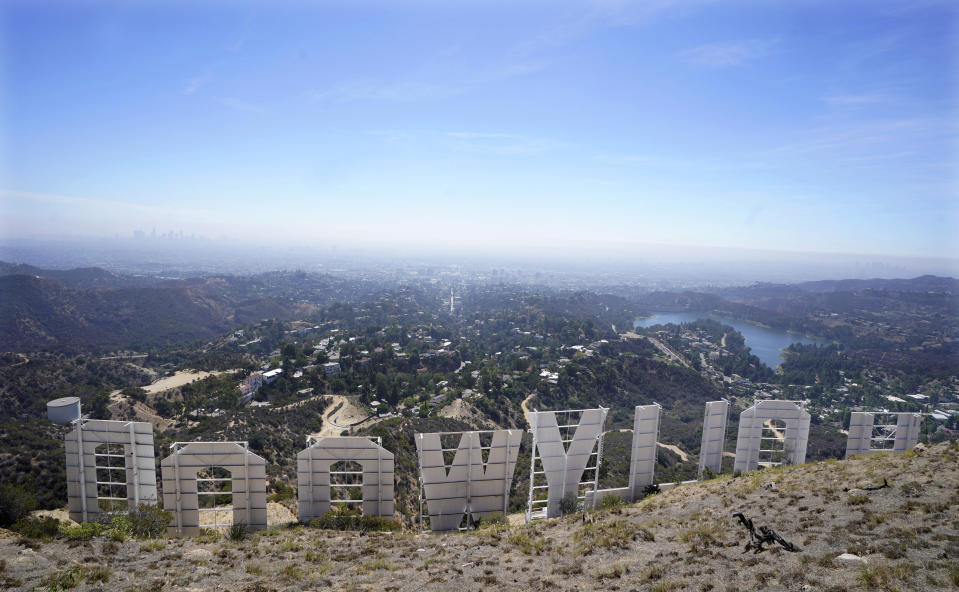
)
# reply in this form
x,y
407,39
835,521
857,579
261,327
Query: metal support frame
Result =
x,y
379,471
174,448
886,440
772,451
599,461
82,472
216,509
246,483
191,467
99,457
349,486
135,465
360,479
312,439
532,467
179,493
594,457
865,436
754,440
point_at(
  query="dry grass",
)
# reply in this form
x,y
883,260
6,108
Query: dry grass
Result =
x,y
608,534
682,539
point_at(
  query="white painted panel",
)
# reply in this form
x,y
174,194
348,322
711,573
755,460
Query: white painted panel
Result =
x,y
248,484
859,440
468,484
642,462
714,436
313,475
907,431
750,432
137,450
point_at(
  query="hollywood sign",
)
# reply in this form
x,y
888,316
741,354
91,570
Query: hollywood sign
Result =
x,y
464,476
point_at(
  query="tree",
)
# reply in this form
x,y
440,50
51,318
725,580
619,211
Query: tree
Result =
x,y
163,408
382,385
15,503
258,440
100,403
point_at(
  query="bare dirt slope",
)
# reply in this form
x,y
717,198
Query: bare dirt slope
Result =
x,y
342,415
465,411
905,537
181,378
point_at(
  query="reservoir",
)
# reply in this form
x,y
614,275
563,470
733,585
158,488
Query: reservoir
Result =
x,y
765,344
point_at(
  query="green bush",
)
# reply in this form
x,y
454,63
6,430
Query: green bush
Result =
x,y
611,501
15,503
283,492
37,528
207,535
70,577
496,518
100,573
84,531
238,531
344,520
569,504
148,522
120,528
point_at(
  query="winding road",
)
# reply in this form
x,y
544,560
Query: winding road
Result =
x,y
525,406
668,352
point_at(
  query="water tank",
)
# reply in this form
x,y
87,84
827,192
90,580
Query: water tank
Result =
x,y
63,410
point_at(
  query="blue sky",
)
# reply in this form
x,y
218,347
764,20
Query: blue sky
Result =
x,y
797,126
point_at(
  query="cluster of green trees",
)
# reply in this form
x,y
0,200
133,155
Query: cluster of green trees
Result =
x,y
811,364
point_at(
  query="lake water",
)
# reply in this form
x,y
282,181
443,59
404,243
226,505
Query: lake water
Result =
x,y
766,344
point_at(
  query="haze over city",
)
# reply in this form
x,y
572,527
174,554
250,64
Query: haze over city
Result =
x,y
590,130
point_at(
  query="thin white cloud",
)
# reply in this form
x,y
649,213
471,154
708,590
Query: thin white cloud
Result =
x,y
194,84
861,135
66,200
727,54
851,100
93,204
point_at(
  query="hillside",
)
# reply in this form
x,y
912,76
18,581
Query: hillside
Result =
x,y
44,314
81,278
37,313
925,283
903,537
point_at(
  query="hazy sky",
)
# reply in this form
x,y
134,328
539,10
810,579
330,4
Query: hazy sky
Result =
x,y
807,126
